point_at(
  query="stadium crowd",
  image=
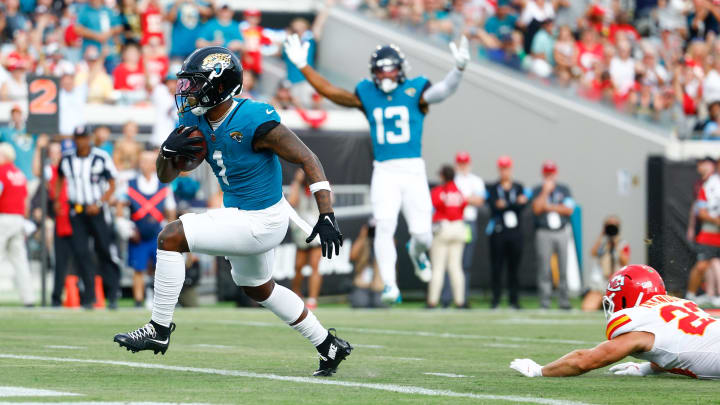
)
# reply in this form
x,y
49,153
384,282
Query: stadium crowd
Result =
x,y
658,60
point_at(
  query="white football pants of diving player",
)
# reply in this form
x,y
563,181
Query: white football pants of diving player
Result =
x,y
399,184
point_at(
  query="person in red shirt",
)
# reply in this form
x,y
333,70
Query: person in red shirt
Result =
x,y
151,21
13,196
254,40
589,50
129,75
155,61
449,240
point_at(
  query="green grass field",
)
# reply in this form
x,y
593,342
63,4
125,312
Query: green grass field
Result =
x,y
226,355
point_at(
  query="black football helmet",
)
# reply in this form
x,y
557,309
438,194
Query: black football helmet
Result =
x,y
208,77
387,58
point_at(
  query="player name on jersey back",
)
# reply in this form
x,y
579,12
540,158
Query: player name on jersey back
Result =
x,y
687,339
395,118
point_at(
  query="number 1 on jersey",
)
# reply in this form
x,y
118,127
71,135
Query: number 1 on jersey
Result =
x,y
402,123
217,157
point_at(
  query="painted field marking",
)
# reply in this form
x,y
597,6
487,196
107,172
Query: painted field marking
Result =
x,y
66,347
540,321
424,333
400,389
212,346
449,375
97,403
32,392
361,346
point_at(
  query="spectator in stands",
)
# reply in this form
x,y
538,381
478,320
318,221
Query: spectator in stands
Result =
x,y
283,99
610,253
543,45
72,100
15,18
306,254
151,205
254,39
367,283
130,20
449,239
222,30
13,194
127,150
622,73
162,97
22,143
156,62
15,87
473,190
533,14
506,199
552,206
98,82
498,28
129,75
186,18
589,50
151,21
97,25
248,89
711,130
101,135
564,55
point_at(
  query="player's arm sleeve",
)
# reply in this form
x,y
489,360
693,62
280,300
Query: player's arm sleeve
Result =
x,y
266,123
619,324
444,88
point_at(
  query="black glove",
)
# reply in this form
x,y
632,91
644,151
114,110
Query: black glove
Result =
x,y
178,143
330,235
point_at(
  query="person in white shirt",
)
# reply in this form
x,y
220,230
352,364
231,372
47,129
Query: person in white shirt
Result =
x,y
473,189
622,69
163,99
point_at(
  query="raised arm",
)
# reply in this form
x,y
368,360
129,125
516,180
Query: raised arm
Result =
x,y
284,143
297,53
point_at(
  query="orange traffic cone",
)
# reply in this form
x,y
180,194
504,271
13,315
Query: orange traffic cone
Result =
x,y
99,293
72,295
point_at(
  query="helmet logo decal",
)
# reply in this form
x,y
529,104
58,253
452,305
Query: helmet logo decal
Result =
x,y
216,61
617,283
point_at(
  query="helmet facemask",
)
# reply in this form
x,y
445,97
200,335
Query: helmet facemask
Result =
x,y
388,59
608,306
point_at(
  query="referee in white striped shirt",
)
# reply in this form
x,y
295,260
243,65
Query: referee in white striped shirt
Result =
x,y
90,174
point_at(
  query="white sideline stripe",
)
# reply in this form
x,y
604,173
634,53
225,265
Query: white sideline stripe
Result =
x,y
212,346
448,375
426,334
65,347
536,321
401,389
97,403
32,392
361,346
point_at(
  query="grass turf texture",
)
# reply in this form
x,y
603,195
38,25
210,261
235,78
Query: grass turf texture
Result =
x,y
388,352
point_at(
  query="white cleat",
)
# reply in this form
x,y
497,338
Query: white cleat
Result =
x,y
423,270
391,295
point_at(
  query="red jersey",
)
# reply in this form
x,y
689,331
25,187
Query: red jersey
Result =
x,y
129,78
151,23
709,199
62,218
157,68
254,40
588,55
13,190
448,201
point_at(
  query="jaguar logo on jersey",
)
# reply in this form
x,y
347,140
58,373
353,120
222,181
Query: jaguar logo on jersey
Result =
x,y
410,92
217,61
617,283
238,136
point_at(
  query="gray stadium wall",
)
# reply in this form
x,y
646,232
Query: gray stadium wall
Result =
x,y
601,155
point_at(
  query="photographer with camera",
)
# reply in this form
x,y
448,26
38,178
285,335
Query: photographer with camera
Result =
x,y
611,253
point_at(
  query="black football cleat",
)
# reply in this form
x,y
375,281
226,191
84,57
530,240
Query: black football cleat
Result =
x,y
146,338
332,351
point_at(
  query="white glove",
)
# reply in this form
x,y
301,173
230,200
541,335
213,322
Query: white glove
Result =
x,y
461,54
527,367
633,369
297,51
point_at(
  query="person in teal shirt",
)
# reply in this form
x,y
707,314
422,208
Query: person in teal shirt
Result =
x,y
23,143
543,43
222,31
97,25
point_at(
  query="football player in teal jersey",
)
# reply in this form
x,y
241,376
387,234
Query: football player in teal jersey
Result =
x,y
244,140
395,107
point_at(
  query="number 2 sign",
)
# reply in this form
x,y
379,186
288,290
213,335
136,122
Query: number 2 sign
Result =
x,y
43,108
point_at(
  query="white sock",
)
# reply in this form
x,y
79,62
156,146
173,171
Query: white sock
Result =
x,y
385,253
288,307
169,279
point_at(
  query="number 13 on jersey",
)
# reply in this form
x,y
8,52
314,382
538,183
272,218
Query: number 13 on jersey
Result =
x,y
399,116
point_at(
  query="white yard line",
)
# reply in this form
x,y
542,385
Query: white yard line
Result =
x,y
400,389
96,403
540,321
424,333
66,347
361,346
32,392
203,345
448,375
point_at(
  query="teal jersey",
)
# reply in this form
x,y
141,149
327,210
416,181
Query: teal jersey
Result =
x,y
24,145
396,122
249,180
